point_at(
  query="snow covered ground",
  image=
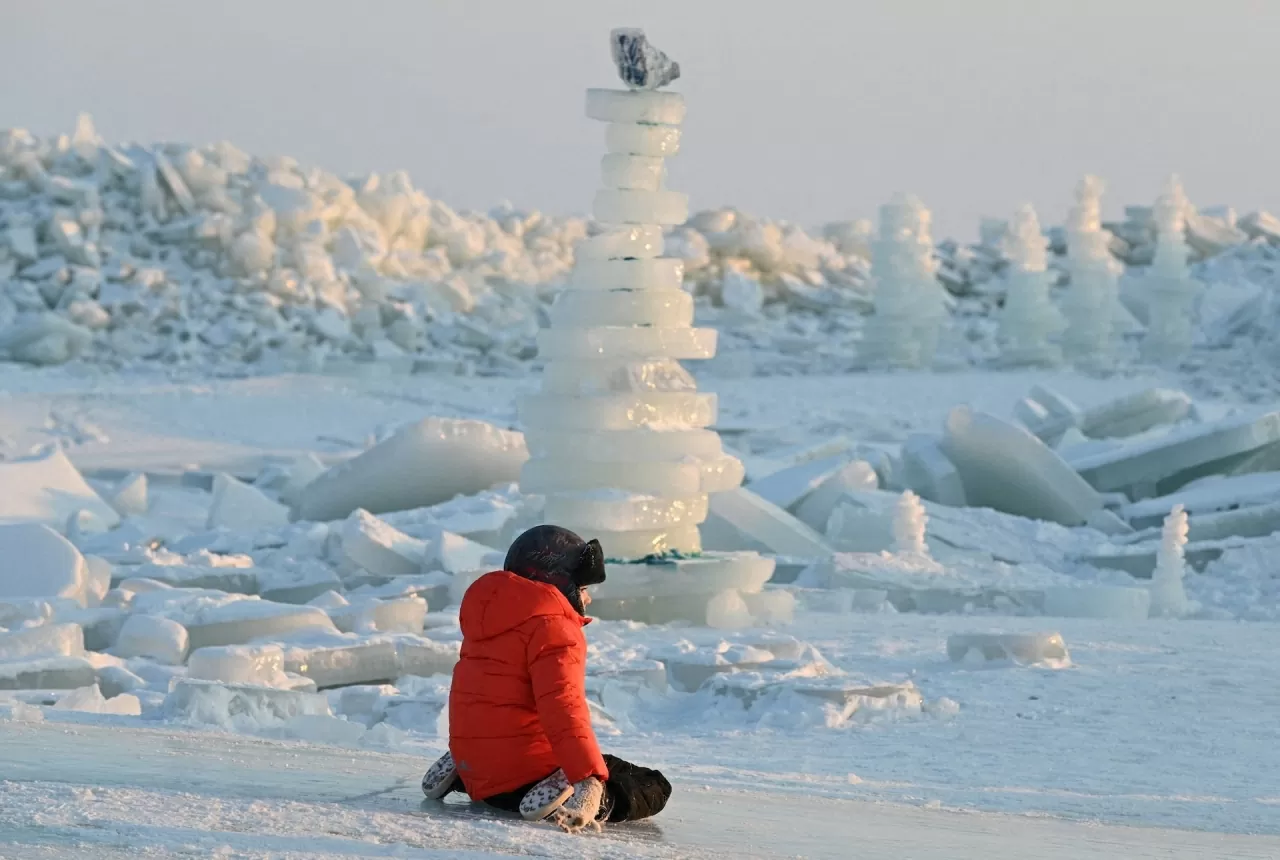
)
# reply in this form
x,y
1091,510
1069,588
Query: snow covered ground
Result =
x,y
1156,738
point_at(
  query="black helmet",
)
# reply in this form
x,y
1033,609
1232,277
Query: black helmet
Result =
x,y
559,557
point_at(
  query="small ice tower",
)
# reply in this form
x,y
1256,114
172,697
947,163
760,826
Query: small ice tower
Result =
x,y
618,433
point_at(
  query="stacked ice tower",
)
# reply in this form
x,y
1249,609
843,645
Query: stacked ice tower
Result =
x,y
618,434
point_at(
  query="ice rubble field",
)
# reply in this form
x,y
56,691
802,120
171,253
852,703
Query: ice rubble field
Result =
x,y
1159,723
267,442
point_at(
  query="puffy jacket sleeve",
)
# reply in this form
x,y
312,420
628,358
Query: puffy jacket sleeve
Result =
x,y
557,655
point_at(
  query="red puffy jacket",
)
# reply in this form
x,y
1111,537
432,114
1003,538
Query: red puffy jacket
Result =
x,y
518,703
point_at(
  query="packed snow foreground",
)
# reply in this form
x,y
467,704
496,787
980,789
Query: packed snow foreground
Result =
x,y
881,612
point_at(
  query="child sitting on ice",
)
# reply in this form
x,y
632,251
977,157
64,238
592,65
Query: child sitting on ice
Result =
x,y
520,734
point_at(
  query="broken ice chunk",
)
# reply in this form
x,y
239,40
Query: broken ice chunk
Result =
x,y
89,699
153,637
47,488
1023,648
641,172
240,621
47,640
1162,465
36,561
741,520
246,708
930,473
788,486
425,463
1097,601
237,505
130,496
1136,413
642,445
48,673
602,276
405,615
631,138
251,665
640,65
816,508
613,510
1005,467
379,548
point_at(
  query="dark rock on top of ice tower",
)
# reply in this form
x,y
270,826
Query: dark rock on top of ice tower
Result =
x,y
640,65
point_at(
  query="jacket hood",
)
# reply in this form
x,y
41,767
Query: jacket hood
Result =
x,y
500,601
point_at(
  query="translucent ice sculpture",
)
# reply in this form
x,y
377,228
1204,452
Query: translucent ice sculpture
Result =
x,y
910,304
1171,291
1029,322
1091,303
1168,597
909,521
616,429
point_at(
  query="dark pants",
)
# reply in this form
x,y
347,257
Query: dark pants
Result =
x,y
631,792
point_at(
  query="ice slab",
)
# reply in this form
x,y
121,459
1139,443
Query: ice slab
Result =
x,y
1136,413
237,505
707,574
928,471
622,545
456,554
130,495
1022,648
379,548
771,606
788,486
420,465
620,376
237,580
646,106
376,662
642,139
405,615
245,620
38,562
1097,601
662,309
604,278
641,172
641,65
49,673
46,488
622,206
640,445
739,519
101,626
36,643
673,479
623,342
89,699
239,707
626,241
424,658
153,637
1162,465
1207,495
256,665
1007,468
360,663
659,410
1141,562
608,510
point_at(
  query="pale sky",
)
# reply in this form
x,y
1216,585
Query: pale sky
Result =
x,y
809,111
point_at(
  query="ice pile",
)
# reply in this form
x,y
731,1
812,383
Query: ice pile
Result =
x,y
181,254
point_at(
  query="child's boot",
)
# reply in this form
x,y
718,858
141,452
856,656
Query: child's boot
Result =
x,y
441,778
546,797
